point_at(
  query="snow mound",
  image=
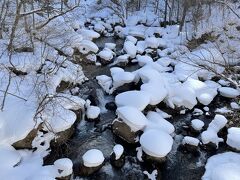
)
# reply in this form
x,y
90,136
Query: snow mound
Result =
x,y
228,92
156,143
137,99
210,135
118,151
233,137
93,158
64,167
197,124
130,49
142,60
157,122
134,118
106,54
223,166
190,141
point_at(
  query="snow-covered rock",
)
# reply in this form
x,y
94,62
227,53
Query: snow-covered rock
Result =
x,y
142,60
137,99
130,49
92,111
156,143
228,92
88,34
87,46
93,158
134,118
210,135
233,138
105,82
64,167
223,166
157,122
197,124
106,54
234,105
132,39
118,151
111,46
190,141
151,42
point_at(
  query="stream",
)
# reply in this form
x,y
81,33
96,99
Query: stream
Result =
x,y
179,165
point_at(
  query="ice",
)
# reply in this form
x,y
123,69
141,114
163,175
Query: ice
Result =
x,y
197,124
156,143
223,166
93,158
228,92
157,122
137,99
190,141
130,49
134,118
233,137
118,151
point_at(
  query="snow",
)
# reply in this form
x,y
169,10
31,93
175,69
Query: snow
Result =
x,y
156,143
223,110
120,77
157,122
234,105
228,92
142,60
106,54
118,151
65,166
88,34
233,137
111,46
132,39
105,82
137,99
210,135
190,141
92,111
9,157
93,158
197,124
122,58
223,166
130,48
157,92
87,46
151,176
151,42
134,118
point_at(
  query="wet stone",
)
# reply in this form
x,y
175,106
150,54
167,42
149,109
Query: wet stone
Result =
x,y
123,131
